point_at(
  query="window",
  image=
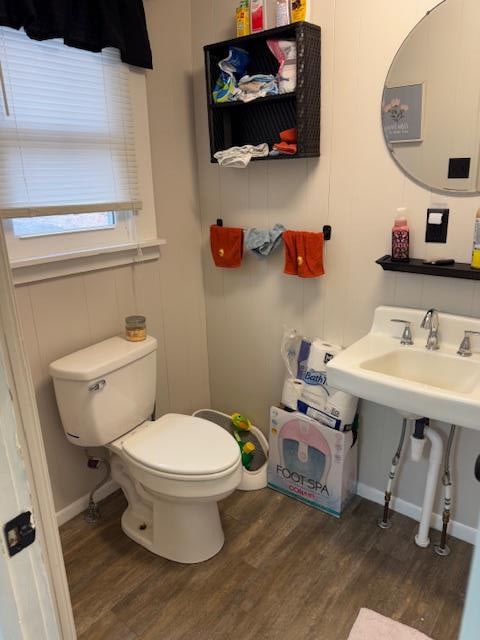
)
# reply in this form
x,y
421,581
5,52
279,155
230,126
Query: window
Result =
x,y
74,149
67,223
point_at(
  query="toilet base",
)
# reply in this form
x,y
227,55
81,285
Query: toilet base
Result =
x,y
182,532
139,529
186,531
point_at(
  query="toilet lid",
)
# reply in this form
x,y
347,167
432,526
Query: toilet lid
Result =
x,y
185,445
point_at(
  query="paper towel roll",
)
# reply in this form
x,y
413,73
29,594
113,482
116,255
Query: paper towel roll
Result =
x,y
315,396
341,405
292,391
320,354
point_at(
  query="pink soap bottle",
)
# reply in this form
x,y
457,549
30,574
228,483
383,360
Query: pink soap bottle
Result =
x,y
400,240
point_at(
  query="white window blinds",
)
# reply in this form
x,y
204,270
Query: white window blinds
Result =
x,y
67,139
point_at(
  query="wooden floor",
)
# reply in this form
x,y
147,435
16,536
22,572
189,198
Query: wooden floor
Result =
x,y
286,572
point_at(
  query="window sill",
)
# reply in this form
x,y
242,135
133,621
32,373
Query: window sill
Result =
x,y
64,264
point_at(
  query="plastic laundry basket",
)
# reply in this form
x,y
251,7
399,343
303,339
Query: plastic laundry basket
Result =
x,y
256,477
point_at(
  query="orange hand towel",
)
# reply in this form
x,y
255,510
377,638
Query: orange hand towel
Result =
x,y
288,144
289,243
303,254
227,246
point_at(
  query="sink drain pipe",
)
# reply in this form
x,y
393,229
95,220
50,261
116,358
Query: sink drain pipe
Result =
x,y
443,549
385,522
434,463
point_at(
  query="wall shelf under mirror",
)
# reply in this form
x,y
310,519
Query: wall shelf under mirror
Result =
x,y
414,265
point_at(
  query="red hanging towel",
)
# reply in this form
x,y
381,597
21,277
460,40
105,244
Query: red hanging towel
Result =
x,y
227,246
310,249
303,253
289,243
288,144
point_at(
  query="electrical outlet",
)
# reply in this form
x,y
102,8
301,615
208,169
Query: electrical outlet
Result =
x,y
437,225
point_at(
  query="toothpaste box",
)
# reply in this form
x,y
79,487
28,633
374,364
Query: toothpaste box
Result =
x,y
311,462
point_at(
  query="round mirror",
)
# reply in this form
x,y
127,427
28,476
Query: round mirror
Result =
x,y
431,100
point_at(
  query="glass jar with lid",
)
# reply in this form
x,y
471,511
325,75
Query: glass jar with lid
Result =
x,y
135,328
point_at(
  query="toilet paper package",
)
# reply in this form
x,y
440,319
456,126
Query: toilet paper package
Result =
x,y
306,361
311,462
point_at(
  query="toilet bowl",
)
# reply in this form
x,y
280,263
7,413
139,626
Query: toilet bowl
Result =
x,y
173,508
173,470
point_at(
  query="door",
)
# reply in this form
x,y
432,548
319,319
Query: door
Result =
x,y
34,598
27,607
471,615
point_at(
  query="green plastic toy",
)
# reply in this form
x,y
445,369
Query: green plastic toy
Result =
x,y
247,450
242,423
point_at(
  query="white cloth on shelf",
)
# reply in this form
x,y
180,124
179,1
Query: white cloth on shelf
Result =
x,y
239,157
256,86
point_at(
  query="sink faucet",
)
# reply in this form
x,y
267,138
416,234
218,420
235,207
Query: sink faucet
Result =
x,y
431,323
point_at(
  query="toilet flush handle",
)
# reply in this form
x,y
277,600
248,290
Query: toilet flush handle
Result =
x,y
97,386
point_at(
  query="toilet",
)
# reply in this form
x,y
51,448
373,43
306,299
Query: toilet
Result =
x,y
173,471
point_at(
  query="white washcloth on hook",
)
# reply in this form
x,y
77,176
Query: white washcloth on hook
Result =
x,y
239,157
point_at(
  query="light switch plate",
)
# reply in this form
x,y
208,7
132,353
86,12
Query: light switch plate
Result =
x,y
437,232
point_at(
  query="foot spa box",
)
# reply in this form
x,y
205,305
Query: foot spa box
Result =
x,y
311,462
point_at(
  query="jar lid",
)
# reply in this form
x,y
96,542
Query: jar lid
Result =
x,y
135,322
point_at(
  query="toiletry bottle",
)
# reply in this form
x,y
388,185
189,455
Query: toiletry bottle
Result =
x,y
400,240
282,13
243,19
300,10
476,243
258,16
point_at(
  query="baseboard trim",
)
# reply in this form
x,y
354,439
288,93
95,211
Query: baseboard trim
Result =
x,y
72,510
456,529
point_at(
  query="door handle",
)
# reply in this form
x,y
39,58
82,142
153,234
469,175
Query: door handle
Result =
x,y
477,469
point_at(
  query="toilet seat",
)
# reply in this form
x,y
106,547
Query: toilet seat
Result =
x,y
178,477
182,447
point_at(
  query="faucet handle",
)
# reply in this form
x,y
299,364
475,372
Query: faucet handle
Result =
x,y
465,348
407,331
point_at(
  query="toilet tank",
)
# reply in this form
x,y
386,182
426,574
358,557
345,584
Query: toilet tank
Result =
x,y
105,390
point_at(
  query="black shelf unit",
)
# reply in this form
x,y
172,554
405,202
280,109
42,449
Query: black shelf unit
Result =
x,y
414,265
238,104
261,120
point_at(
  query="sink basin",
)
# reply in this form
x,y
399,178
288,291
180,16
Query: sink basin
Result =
x,y
414,381
429,368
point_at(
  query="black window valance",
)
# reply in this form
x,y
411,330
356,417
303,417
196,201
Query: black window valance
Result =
x,y
85,24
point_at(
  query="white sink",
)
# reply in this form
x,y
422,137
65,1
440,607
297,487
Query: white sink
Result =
x,y
435,384
429,368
